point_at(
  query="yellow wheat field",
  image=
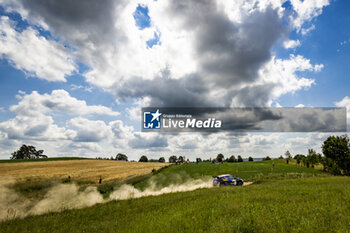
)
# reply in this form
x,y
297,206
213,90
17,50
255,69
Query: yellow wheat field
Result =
x,y
88,170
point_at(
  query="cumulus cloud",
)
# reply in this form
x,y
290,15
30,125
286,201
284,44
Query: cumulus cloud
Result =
x,y
59,101
307,10
290,44
282,75
148,141
34,54
40,127
34,118
88,130
345,102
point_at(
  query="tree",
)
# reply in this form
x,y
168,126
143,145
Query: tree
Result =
x,y
161,160
267,158
239,159
250,159
312,157
121,157
330,166
143,158
281,157
220,158
28,152
299,158
173,159
198,160
288,156
180,159
337,151
232,159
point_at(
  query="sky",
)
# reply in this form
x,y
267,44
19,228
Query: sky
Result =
x,y
75,74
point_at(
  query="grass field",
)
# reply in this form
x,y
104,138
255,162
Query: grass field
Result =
x,y
290,205
287,198
249,171
86,170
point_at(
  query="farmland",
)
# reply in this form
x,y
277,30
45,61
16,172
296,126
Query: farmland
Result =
x,y
86,170
283,198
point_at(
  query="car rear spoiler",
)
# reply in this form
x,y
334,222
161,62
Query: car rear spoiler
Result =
x,y
214,176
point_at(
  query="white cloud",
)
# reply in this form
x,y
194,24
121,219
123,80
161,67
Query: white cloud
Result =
x,y
281,76
307,10
290,44
34,54
59,101
40,127
89,131
345,102
305,31
300,106
74,87
34,119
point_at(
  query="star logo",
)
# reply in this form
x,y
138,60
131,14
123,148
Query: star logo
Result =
x,y
152,120
156,115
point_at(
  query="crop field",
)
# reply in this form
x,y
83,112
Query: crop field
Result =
x,y
87,169
179,198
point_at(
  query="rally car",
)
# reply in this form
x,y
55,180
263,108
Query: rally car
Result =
x,y
227,179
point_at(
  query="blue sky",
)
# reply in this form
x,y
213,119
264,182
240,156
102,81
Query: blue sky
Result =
x,y
109,62
323,46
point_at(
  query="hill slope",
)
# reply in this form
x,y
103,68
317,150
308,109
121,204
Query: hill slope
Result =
x,y
291,205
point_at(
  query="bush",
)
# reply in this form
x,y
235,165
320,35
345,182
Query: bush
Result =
x,y
173,159
143,158
121,157
232,159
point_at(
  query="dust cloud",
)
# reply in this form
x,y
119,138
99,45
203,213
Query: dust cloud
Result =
x,y
70,196
128,191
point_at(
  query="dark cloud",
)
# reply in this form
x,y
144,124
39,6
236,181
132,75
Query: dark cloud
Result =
x,y
36,130
83,24
229,54
143,142
166,91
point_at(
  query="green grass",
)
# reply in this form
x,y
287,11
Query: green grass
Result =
x,y
318,204
41,159
249,171
33,189
288,198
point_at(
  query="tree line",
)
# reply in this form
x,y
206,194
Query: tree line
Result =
x,y
335,159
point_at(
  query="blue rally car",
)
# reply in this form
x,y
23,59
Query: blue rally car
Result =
x,y
227,179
